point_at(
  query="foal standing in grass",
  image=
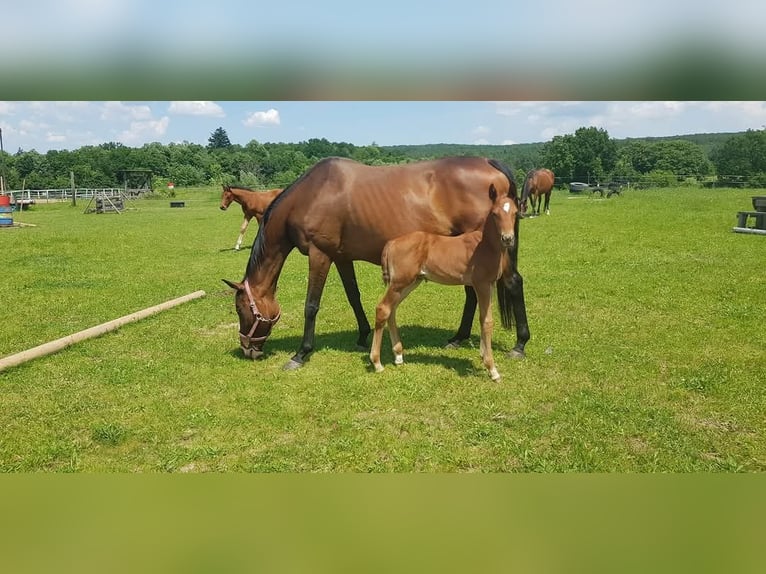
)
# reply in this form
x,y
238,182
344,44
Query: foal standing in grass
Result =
x,y
254,204
473,259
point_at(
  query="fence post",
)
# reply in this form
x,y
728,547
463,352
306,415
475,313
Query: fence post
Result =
x,y
74,192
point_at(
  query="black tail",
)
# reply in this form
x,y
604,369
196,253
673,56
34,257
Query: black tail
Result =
x,y
504,296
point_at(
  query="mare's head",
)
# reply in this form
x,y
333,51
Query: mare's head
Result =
x,y
226,197
504,214
254,325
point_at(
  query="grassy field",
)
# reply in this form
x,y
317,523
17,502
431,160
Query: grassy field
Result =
x,y
648,350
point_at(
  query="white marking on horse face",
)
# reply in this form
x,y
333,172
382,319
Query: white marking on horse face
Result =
x,y
507,206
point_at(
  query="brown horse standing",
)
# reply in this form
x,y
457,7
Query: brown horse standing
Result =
x,y
340,211
538,183
473,259
254,204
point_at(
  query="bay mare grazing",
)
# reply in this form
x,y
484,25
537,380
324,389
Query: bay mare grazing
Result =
x,y
537,183
340,211
473,259
254,204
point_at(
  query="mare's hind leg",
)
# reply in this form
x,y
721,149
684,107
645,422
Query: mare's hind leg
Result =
x,y
469,311
484,293
348,278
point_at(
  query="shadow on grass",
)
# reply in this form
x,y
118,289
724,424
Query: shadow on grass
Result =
x,y
412,336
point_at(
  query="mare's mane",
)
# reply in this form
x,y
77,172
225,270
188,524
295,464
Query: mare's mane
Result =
x,y
237,186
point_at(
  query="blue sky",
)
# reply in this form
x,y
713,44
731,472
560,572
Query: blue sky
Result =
x,y
49,125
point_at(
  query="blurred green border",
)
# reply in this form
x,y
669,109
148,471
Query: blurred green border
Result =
x,y
381,523
681,71
386,523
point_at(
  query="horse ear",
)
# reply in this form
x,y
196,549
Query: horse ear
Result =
x,y
233,284
492,192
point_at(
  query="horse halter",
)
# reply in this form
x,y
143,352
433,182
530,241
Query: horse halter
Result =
x,y
247,340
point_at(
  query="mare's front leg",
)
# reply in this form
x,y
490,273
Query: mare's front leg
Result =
x,y
484,293
319,265
348,278
469,311
242,229
547,203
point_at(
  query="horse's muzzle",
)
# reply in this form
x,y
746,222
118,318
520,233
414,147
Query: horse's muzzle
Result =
x,y
508,241
250,348
252,353
223,207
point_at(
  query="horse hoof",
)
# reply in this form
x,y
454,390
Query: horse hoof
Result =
x,y
452,344
398,360
516,354
292,365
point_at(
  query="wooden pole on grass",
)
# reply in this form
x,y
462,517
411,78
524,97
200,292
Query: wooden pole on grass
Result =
x,y
58,344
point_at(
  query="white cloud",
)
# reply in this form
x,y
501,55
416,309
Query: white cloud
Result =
x,y
55,138
259,119
120,111
202,108
140,132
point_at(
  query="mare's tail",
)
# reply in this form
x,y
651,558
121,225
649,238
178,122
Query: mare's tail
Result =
x,y
505,297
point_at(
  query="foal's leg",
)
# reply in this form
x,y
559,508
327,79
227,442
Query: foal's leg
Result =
x,y
469,311
382,313
393,328
385,312
484,293
242,229
348,278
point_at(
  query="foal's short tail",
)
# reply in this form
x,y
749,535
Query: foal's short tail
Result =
x,y
384,266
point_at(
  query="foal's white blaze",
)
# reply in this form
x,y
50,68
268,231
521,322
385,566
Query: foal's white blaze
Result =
x,y
507,206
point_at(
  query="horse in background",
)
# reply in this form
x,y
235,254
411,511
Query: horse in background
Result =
x,y
538,183
341,211
473,259
254,204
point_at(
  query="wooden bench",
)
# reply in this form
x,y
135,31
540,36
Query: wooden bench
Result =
x,y
759,218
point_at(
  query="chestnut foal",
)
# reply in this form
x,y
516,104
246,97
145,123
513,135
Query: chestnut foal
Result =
x,y
473,259
254,204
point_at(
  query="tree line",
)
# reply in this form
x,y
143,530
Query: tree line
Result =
x,y
589,154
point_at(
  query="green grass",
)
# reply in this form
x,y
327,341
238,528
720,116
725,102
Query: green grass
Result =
x,y
648,350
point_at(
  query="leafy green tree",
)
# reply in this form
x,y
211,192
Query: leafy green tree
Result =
x,y
741,156
557,155
594,152
218,139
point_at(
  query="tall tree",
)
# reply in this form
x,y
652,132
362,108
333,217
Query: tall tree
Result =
x,y
218,139
741,155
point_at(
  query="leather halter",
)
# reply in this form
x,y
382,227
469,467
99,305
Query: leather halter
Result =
x,y
247,340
